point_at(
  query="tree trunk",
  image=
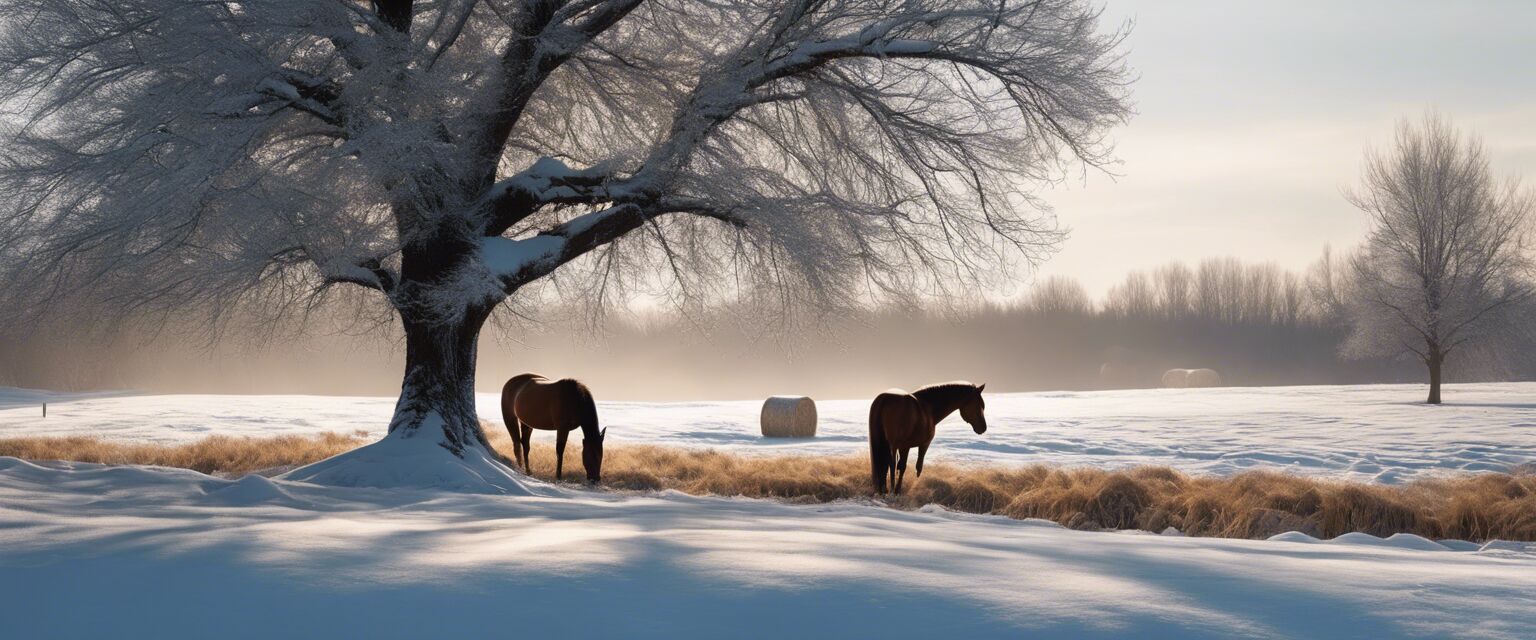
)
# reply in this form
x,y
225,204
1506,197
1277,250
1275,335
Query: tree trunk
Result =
x,y
438,392
1434,361
435,439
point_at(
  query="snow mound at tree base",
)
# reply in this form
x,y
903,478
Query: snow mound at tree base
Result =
x,y
414,460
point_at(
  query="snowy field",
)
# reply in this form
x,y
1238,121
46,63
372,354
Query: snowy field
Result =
x,y
1380,433
131,552
88,551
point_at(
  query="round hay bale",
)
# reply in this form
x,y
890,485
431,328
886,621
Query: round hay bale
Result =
x,y
1203,378
789,417
1176,378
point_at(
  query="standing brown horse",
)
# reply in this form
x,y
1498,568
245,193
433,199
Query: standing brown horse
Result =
x,y
899,421
530,401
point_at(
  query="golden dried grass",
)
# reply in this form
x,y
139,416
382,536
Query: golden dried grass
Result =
x,y
222,455
1253,504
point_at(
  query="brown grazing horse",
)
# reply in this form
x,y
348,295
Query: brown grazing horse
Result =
x,y
530,401
899,421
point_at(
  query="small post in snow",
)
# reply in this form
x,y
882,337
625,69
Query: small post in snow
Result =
x,y
45,409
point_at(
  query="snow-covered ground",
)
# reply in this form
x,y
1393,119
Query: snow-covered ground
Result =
x,y
132,552
88,551
1369,432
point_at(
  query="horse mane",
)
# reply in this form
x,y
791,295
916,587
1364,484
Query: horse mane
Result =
x,y
946,389
945,395
581,396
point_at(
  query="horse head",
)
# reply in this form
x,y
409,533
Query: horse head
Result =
x,y
592,455
973,411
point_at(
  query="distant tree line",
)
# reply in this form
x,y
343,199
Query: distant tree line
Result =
x,y
1222,290
1256,323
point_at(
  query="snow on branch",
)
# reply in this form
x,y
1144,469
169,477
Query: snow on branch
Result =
x,y
290,93
368,273
547,181
515,262
502,265
592,17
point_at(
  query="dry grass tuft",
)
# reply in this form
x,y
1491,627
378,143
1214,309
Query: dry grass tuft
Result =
x,y
220,455
1254,504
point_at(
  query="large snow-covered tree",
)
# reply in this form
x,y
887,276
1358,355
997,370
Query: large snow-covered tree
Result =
x,y
1446,265
165,155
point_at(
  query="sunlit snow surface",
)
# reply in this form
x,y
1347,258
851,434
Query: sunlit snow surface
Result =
x,y
1370,432
139,552
91,551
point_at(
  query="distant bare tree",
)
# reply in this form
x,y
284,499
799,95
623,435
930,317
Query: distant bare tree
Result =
x,y
1259,301
441,157
1219,289
1292,302
1175,289
1328,286
1059,295
1135,297
1446,262
1223,290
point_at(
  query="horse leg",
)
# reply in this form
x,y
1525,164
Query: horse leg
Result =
x,y
901,468
516,431
525,444
560,437
517,446
922,450
878,449
892,471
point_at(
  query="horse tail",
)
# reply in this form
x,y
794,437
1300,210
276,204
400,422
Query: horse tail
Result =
x,y
879,448
509,395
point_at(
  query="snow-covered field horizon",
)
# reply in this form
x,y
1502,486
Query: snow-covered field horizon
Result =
x,y
1378,433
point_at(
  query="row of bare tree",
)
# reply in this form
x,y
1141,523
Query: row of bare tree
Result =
x,y
1217,289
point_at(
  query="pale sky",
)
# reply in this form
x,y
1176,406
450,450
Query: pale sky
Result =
x,y
1252,117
